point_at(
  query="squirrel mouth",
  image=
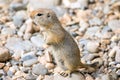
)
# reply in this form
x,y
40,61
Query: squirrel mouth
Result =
x,y
34,23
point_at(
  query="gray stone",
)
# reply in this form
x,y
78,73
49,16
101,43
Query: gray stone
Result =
x,y
92,31
37,41
28,56
19,18
10,73
114,25
15,44
95,21
18,5
8,31
30,62
74,76
39,69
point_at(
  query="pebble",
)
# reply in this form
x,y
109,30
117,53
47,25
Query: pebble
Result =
x,y
4,54
8,31
117,56
74,76
118,72
2,73
90,32
19,18
17,6
28,56
106,77
37,40
39,69
89,77
48,78
50,66
95,21
114,25
92,46
2,65
30,62
39,53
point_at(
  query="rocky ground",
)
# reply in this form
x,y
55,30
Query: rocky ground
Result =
x,y
94,24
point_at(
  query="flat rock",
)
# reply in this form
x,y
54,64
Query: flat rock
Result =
x,y
39,69
30,62
4,54
14,44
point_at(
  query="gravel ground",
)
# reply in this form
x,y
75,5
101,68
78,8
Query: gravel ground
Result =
x,y
94,24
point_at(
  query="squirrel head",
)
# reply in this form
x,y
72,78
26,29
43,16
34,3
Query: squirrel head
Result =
x,y
44,17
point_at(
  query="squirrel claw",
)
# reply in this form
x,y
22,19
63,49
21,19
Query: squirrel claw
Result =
x,y
65,73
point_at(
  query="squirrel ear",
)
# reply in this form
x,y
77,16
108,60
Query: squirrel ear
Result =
x,y
48,15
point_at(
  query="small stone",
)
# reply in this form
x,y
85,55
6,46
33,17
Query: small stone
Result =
x,y
6,68
118,72
48,57
92,31
114,25
30,77
17,6
10,73
99,61
89,77
42,59
39,53
49,65
2,73
2,65
106,77
37,40
115,39
117,56
95,21
28,56
74,76
27,36
48,77
8,31
113,51
118,65
39,69
92,46
19,18
30,62
4,54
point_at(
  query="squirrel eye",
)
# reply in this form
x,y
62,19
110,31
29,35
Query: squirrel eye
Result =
x,y
39,14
